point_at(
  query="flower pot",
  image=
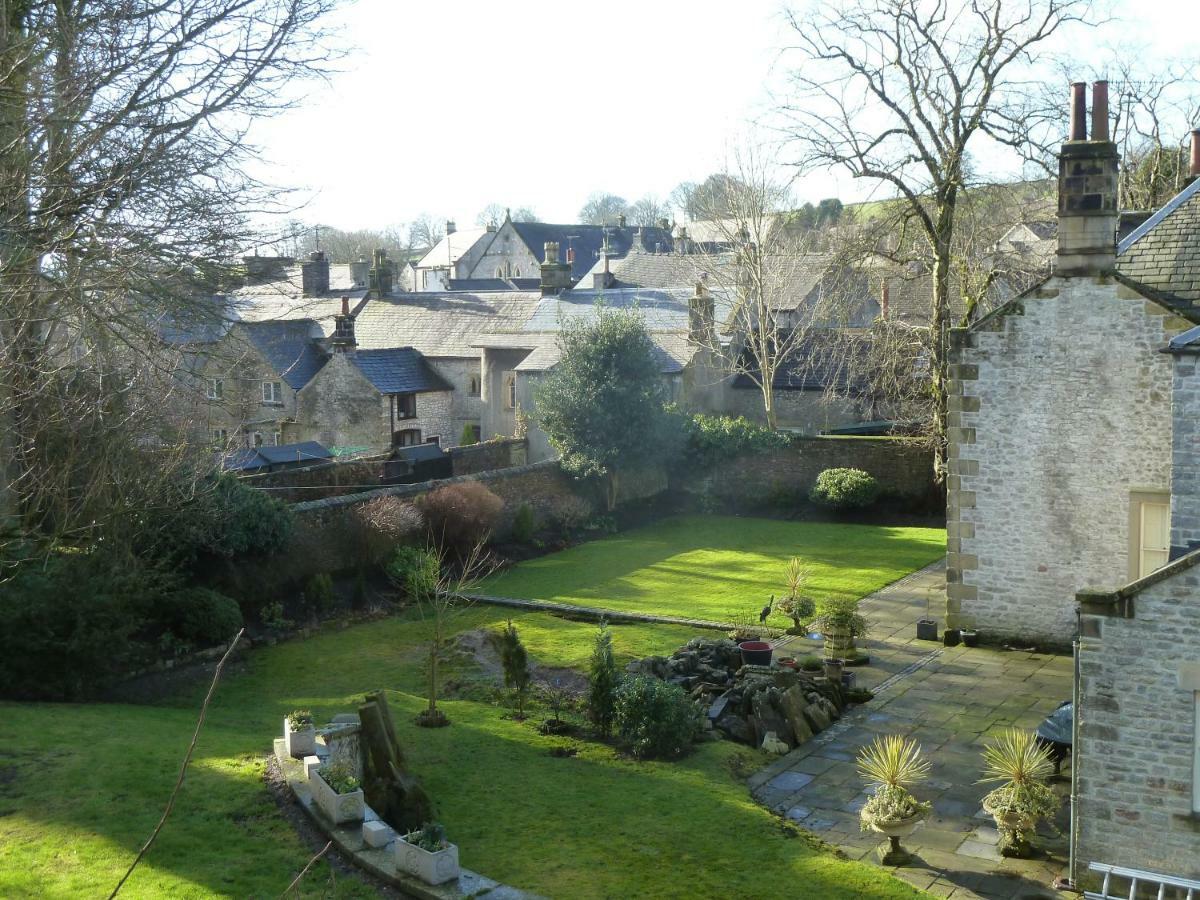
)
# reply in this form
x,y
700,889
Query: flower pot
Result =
x,y
839,642
833,670
787,662
338,808
970,637
927,630
898,828
951,637
299,743
756,653
432,868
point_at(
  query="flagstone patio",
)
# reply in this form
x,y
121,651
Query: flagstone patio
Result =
x,y
950,700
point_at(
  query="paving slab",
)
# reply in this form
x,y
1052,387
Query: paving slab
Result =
x,y
951,700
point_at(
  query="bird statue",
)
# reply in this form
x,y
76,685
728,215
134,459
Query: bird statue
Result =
x,y
766,610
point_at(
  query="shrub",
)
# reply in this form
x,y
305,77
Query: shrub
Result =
x,y
468,436
571,512
515,661
603,681
711,439
842,489
522,529
459,516
318,593
206,617
70,625
415,571
655,720
381,525
218,517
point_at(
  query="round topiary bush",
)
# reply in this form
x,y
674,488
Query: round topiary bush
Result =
x,y
655,720
207,617
843,489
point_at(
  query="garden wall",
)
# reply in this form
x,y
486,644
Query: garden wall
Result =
x,y
903,466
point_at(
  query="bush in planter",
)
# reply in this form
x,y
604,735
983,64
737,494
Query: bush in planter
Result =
x,y
893,764
460,516
1021,765
603,680
844,489
655,720
839,620
340,778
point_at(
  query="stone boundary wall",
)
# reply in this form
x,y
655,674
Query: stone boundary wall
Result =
x,y
903,466
488,456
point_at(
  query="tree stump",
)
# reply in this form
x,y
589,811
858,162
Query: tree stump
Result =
x,y
389,789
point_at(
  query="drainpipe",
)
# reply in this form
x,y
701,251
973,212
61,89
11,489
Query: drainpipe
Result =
x,y
1073,842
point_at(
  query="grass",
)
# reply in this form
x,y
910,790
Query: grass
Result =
x,y
82,786
718,567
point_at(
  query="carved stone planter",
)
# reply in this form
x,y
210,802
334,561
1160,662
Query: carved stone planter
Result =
x,y
338,808
299,743
432,868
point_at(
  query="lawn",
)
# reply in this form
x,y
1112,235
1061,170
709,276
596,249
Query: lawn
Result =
x,y
718,567
82,786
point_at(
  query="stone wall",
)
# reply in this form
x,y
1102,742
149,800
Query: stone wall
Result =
x,y
1140,697
808,412
1185,457
1059,411
467,408
903,466
501,453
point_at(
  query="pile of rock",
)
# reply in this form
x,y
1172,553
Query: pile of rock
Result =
x,y
748,703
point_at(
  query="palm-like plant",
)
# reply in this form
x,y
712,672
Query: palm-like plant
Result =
x,y
1021,765
793,604
893,764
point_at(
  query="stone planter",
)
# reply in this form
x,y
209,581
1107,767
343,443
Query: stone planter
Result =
x,y
970,637
894,854
839,643
927,630
432,868
299,743
338,808
833,670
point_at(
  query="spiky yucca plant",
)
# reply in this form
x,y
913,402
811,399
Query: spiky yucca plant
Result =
x,y
793,604
893,764
1021,765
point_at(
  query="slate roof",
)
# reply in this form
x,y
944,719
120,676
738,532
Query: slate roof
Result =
x,y
672,349
587,240
441,324
495,284
655,270
809,367
452,248
303,451
289,347
1163,253
398,370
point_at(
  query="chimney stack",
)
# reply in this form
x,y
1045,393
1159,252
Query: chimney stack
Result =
x,y
621,220
556,276
314,275
1087,190
380,273
450,227
1194,164
360,271
343,340
701,315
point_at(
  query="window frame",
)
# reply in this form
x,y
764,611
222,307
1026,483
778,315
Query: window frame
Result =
x,y
510,390
272,393
406,407
216,388
474,386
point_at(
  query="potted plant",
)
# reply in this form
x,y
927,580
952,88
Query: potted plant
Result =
x,y
811,664
892,764
840,622
927,629
428,855
793,604
299,734
756,653
337,793
970,637
1021,765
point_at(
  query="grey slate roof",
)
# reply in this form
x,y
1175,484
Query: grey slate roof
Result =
x,y
441,324
451,248
475,285
587,240
399,370
289,348
303,451
810,366
1163,253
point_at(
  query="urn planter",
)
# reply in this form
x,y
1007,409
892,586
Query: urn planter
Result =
x,y
756,653
299,743
340,809
894,854
431,867
833,670
839,642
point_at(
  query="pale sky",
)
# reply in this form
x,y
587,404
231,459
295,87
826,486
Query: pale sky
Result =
x,y
444,107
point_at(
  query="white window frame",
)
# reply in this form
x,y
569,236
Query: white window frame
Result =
x,y
276,438
254,439
272,393
510,391
220,437
216,388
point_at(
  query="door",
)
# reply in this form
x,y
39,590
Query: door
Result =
x,y
1154,545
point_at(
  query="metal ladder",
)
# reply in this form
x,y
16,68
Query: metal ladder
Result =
x,y
1139,880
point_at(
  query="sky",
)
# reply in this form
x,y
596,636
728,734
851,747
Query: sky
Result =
x,y
441,108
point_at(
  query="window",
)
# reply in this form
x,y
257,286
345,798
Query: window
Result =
x,y
276,438
272,392
476,433
435,439
220,437
473,389
255,439
216,388
510,392
1149,532
406,406
406,438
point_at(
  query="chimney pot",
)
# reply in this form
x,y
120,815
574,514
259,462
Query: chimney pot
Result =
x,y
1100,111
345,306
1194,167
1078,111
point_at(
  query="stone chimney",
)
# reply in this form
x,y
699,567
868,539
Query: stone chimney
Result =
x,y
360,271
621,220
701,314
450,227
342,340
314,275
1087,189
380,273
556,276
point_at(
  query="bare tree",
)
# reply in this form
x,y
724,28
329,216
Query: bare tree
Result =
x,y
648,212
898,92
603,209
425,231
124,195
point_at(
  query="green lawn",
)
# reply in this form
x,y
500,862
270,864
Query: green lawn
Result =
x,y
81,787
716,567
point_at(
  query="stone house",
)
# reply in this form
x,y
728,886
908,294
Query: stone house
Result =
x,y
1072,485
453,257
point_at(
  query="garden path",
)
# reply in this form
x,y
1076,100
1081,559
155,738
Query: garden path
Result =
x,y
950,700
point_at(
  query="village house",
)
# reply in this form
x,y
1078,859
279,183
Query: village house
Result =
x,y
1072,484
